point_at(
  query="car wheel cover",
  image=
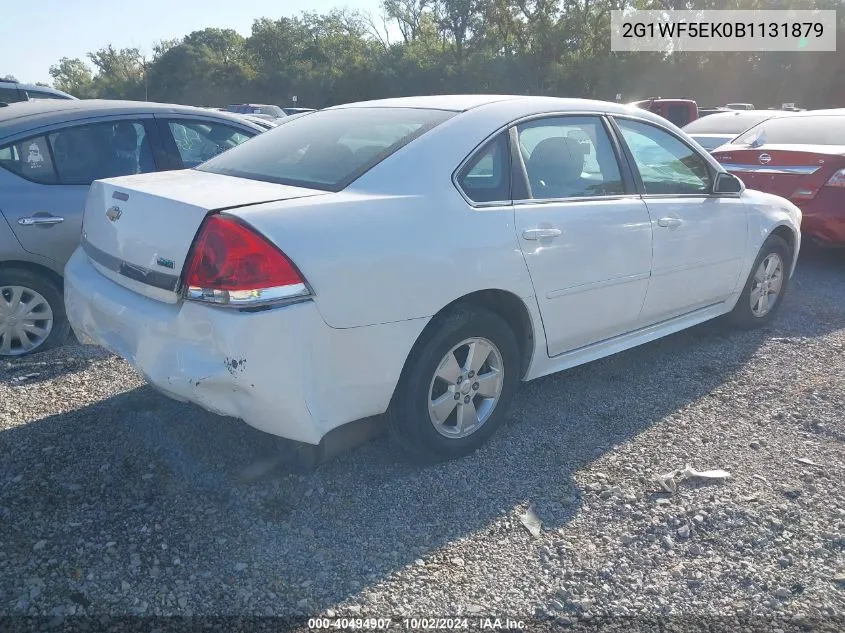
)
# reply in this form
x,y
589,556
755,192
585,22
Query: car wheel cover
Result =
x,y
26,320
466,387
766,285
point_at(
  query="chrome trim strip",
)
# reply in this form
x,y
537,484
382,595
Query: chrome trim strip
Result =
x,y
573,200
594,285
802,170
157,279
249,298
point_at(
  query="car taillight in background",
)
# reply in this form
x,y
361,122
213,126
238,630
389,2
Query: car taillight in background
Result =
x,y
231,264
837,179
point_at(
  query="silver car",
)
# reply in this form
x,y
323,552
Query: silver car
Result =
x,y
50,152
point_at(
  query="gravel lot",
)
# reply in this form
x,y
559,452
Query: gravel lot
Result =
x,y
115,500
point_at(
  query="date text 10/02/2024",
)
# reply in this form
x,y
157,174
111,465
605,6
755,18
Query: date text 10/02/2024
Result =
x,y
416,624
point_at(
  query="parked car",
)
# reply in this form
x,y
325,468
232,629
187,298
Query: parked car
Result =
x,y
50,152
713,131
256,108
14,92
419,257
290,111
264,122
678,111
800,156
740,106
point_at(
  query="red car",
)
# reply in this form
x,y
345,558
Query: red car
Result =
x,y
800,157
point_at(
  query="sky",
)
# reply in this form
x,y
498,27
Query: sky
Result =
x,y
37,33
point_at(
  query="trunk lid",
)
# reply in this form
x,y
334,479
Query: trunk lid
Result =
x,y
795,172
138,230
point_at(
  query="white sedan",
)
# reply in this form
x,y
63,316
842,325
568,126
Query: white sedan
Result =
x,y
419,257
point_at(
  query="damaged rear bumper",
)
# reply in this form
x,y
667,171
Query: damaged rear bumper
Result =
x,y
250,366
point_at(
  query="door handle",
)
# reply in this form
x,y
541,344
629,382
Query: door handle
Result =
x,y
670,222
538,234
45,219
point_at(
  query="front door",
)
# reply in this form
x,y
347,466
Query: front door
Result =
x,y
699,238
584,233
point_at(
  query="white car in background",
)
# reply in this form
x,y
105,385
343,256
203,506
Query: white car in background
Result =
x,y
419,257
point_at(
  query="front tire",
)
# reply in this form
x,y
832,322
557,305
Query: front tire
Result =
x,y
32,313
763,293
456,387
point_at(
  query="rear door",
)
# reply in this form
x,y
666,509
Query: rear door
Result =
x,y
584,232
46,177
190,141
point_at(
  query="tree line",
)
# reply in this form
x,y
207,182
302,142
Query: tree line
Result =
x,y
542,47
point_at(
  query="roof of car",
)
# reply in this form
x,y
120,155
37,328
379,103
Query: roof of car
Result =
x,y
828,112
33,114
461,103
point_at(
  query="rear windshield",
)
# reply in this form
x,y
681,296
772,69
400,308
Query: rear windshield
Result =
x,y
712,142
327,149
797,130
727,123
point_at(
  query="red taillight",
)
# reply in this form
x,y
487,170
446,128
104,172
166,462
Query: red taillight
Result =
x,y
837,179
231,263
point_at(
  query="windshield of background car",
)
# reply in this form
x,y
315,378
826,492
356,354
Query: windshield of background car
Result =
x,y
796,130
730,123
326,150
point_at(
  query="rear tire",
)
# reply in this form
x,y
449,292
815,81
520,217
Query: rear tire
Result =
x,y
766,286
32,313
456,387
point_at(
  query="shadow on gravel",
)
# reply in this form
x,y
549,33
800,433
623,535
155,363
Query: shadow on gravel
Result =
x,y
139,486
49,365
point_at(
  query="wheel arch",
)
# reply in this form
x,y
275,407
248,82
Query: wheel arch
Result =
x,y
787,234
46,271
505,304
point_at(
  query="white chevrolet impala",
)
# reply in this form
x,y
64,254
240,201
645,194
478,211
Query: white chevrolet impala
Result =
x,y
419,257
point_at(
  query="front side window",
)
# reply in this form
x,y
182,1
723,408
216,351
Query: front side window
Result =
x,y
486,177
86,153
569,157
29,159
198,141
328,149
667,166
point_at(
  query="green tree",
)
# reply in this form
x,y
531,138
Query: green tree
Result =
x,y
74,77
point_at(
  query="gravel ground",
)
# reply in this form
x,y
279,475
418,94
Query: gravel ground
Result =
x,y
115,500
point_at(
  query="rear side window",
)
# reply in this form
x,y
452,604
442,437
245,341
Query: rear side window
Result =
x,y
30,159
328,149
486,178
10,95
36,95
569,157
86,153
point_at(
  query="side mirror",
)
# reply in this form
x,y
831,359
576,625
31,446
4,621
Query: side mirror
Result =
x,y
727,183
